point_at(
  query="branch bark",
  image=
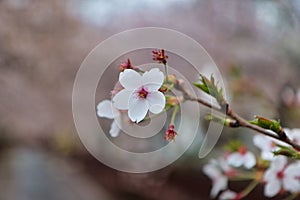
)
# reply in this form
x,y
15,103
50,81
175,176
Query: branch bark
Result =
x,y
240,121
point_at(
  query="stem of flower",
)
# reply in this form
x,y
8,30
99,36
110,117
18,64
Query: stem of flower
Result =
x,y
292,196
166,72
243,176
176,108
139,70
249,188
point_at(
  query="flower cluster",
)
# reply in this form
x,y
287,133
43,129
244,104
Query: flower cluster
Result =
x,y
281,177
276,173
138,92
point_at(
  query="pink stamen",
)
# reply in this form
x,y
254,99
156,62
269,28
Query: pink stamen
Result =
x,y
143,93
280,174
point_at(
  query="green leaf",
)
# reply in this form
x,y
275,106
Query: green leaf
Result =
x,y
287,151
202,87
267,124
210,87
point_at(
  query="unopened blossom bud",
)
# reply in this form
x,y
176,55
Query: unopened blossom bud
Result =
x,y
163,89
125,65
170,133
171,78
173,101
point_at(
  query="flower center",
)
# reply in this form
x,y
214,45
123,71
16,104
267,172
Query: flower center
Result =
x,y
280,174
242,150
143,93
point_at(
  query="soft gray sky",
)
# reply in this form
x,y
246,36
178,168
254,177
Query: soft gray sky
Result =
x,y
100,12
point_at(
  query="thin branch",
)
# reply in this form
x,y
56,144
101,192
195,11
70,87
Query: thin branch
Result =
x,y
240,120
187,96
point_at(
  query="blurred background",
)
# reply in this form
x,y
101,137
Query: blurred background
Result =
x,y
254,43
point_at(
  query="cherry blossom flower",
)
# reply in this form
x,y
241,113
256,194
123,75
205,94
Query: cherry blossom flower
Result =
x,y
105,109
170,133
159,56
280,175
292,177
242,157
267,145
229,195
140,93
218,171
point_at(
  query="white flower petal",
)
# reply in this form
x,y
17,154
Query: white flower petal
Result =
x,y
156,101
138,108
219,184
288,132
235,159
153,79
293,170
249,160
224,165
262,142
130,79
212,171
295,135
272,188
228,195
267,155
114,129
291,184
105,109
121,99
152,87
278,163
270,175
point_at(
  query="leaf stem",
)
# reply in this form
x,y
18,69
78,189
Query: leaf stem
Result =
x,y
176,108
249,188
166,72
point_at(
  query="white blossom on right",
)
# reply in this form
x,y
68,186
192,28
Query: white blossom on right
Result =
x,y
280,175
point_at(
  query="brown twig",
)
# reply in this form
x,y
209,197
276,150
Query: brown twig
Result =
x,y
240,121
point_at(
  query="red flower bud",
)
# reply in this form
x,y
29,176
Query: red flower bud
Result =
x,y
170,133
125,65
